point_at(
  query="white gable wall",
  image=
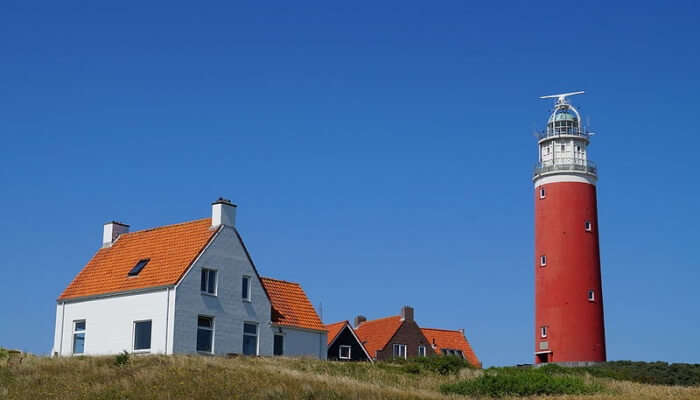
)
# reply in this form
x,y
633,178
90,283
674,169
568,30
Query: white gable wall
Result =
x,y
226,255
301,342
109,322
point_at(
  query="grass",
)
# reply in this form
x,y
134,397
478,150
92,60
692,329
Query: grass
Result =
x,y
196,377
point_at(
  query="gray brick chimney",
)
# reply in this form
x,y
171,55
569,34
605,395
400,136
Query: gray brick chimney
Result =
x,y
406,313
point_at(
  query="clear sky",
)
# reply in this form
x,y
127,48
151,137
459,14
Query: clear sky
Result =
x,y
380,153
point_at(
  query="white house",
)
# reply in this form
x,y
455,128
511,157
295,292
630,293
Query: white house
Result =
x,y
184,288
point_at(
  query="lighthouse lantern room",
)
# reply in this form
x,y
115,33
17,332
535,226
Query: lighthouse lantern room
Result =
x,y
569,326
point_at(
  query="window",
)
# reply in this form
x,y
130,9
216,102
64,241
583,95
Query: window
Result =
x,y
344,352
542,193
589,226
578,148
543,331
563,147
205,334
208,284
459,354
245,288
142,335
591,295
278,348
399,351
543,261
444,352
138,267
250,339
421,351
79,337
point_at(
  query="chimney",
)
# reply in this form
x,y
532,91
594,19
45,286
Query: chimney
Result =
x,y
111,232
359,319
223,212
461,330
406,313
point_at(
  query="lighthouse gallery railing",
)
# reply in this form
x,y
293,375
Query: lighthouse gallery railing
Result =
x,y
566,164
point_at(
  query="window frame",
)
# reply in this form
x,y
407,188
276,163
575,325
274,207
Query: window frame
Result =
x,y
257,338
212,330
543,260
422,351
78,332
206,272
588,226
340,352
591,295
138,267
397,354
247,279
543,193
544,331
133,337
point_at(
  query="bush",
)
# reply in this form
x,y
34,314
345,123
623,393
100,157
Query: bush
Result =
x,y
3,353
443,365
500,382
656,373
122,359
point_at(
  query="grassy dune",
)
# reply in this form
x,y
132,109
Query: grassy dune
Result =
x,y
192,377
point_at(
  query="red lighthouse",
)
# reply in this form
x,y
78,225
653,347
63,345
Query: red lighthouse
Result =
x,y
568,292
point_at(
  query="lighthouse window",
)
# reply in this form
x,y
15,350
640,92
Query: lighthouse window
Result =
x,y
542,193
591,295
563,147
543,331
543,261
588,226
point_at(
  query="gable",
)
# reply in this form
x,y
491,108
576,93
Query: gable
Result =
x,y
170,250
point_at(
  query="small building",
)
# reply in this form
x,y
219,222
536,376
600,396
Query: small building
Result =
x,y
387,338
343,343
185,288
451,343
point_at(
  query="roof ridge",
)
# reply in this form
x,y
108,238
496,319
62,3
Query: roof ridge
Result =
x,y
444,330
279,280
339,322
379,319
166,226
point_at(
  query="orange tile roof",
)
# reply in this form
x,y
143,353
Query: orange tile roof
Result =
x,y
376,334
290,306
334,330
171,249
448,339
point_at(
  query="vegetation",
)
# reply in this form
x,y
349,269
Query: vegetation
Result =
x,y
122,359
656,373
500,382
197,377
446,365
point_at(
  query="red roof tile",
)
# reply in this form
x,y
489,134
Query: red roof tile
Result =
x,y
376,334
171,250
448,339
290,306
334,330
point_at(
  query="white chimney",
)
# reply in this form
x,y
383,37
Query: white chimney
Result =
x,y
223,212
111,232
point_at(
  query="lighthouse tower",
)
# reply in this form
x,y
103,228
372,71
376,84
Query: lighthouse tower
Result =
x,y
568,292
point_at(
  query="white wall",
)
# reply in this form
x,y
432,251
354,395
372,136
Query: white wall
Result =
x,y
298,342
109,322
226,255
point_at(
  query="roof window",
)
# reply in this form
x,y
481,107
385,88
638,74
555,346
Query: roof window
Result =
x,y
139,266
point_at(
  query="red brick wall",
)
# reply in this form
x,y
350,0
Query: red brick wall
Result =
x,y
409,334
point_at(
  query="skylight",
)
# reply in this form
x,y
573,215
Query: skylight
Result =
x,y
139,266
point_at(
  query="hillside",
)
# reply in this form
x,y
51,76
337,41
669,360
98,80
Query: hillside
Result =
x,y
192,377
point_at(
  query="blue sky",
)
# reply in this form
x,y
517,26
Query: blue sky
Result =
x,y
380,154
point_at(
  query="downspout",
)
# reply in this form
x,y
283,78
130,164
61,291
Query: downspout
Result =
x,y
63,318
167,315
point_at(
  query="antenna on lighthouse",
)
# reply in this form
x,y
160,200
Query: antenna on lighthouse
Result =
x,y
561,98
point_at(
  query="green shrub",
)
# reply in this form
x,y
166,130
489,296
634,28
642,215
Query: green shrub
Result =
x,y
656,373
122,359
443,365
3,353
499,382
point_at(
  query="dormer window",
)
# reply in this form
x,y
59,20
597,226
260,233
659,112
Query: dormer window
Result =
x,y
139,266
